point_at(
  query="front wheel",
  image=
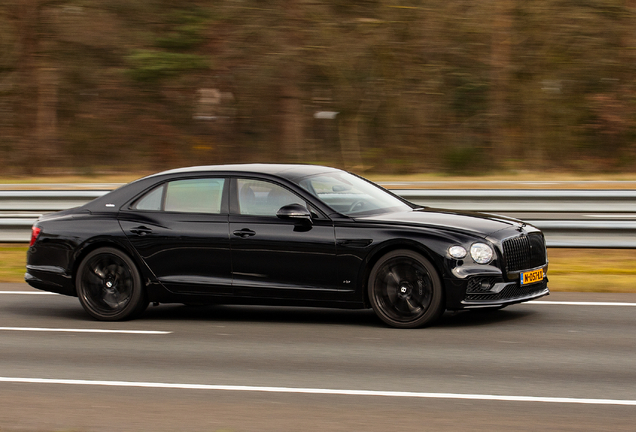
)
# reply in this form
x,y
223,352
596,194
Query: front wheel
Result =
x,y
109,286
405,290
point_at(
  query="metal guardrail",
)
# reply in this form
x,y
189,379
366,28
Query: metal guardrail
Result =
x,y
41,201
569,218
526,200
594,218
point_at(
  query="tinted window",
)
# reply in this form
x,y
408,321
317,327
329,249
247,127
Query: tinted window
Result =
x,y
261,198
151,201
194,196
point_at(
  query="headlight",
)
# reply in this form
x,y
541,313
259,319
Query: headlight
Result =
x,y
481,253
457,252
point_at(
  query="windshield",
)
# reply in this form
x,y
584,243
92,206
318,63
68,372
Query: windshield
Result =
x,y
351,195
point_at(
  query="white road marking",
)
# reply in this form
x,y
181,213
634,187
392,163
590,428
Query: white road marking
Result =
x,y
29,292
70,330
581,303
321,391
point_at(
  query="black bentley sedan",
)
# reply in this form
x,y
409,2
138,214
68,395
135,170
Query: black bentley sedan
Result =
x,y
301,235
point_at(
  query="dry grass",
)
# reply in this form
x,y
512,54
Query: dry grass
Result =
x,y
508,176
12,262
522,180
462,181
105,178
592,270
589,270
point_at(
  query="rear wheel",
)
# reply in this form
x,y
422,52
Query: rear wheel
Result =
x,y
405,290
109,286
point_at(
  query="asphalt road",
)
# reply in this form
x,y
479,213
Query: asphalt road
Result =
x,y
228,368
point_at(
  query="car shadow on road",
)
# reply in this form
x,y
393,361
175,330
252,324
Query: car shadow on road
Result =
x,y
308,315
268,314
55,312
482,317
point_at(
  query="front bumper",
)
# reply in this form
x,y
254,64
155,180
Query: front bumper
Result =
x,y
505,293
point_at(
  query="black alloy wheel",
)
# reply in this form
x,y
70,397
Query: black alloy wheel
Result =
x,y
405,290
109,286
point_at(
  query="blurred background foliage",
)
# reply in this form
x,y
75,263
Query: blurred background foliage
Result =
x,y
381,86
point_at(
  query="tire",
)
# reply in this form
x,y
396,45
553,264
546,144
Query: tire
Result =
x,y
109,286
405,290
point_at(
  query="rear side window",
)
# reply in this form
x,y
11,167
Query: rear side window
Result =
x,y
151,201
185,196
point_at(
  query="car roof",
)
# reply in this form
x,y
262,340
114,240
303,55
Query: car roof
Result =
x,y
289,171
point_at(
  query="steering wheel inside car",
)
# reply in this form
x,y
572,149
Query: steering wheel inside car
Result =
x,y
357,205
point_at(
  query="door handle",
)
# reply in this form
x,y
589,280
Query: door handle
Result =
x,y
244,233
141,230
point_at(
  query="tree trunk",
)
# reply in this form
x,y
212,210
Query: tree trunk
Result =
x,y
292,122
349,144
26,107
46,120
500,61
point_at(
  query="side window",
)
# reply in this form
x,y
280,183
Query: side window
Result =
x,y
260,198
187,196
194,196
151,201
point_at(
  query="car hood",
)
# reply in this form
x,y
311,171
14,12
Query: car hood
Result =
x,y
481,224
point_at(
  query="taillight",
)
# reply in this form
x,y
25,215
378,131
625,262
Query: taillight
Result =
x,y
35,232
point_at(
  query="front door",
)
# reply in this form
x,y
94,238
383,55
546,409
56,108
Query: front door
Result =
x,y
278,258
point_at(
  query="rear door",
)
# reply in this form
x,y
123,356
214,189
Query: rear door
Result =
x,y
180,229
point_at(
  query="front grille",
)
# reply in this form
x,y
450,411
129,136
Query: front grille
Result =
x,y
510,292
524,252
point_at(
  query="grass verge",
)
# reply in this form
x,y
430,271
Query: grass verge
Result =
x,y
592,270
12,262
608,180
582,270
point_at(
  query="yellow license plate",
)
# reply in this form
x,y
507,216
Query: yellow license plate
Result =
x,y
531,277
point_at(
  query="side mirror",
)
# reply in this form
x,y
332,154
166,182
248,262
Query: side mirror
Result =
x,y
296,212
